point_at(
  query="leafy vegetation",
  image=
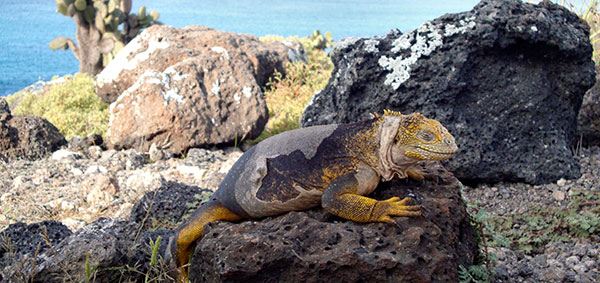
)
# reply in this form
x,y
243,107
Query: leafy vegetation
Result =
x,y
473,274
71,105
530,232
286,96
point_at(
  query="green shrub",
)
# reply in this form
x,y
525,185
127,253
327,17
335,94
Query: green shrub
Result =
x,y
72,106
286,96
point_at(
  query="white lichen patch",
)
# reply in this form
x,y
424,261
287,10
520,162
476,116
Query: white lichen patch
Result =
x,y
215,88
420,42
221,51
247,91
172,93
174,74
237,98
463,25
121,61
534,28
371,45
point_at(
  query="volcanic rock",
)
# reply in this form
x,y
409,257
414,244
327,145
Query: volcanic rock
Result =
x,y
506,78
315,246
28,137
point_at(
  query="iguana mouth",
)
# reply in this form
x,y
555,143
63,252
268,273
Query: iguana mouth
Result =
x,y
437,154
448,152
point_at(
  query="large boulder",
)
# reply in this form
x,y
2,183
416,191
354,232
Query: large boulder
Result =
x,y
26,136
188,87
506,78
315,246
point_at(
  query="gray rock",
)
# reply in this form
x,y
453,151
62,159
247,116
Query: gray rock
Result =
x,y
315,246
197,156
507,79
572,261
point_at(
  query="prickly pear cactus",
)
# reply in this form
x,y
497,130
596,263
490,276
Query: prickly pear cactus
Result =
x,y
318,41
103,28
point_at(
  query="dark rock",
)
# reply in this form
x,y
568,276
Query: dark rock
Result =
x,y
167,205
29,137
20,238
588,121
315,246
507,79
196,156
103,243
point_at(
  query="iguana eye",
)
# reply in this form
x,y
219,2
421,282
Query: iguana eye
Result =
x,y
426,136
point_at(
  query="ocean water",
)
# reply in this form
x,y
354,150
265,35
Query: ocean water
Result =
x,y
26,27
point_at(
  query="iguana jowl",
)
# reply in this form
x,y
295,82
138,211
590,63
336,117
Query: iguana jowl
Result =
x,y
331,165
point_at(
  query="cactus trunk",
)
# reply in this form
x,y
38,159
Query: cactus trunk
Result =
x,y
103,28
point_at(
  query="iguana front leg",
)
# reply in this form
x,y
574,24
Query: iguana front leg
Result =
x,y
340,198
420,171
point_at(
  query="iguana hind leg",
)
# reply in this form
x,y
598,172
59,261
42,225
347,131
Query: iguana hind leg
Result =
x,y
340,198
188,234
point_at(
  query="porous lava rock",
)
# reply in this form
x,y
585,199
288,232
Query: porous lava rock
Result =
x,y
27,137
99,245
167,204
189,87
506,78
315,246
21,238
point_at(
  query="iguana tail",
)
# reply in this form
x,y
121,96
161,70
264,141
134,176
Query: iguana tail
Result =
x,y
188,235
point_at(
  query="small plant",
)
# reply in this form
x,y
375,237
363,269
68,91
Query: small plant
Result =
x,y
481,270
90,272
71,106
154,247
531,232
103,28
473,274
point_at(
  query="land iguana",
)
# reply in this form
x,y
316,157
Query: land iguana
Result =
x,y
331,165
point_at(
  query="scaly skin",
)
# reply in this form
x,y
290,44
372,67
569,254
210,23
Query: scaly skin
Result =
x,y
334,166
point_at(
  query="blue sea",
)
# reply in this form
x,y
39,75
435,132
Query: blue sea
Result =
x,y
26,27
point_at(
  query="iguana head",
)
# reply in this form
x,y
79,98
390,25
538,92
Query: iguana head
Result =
x,y
408,139
424,139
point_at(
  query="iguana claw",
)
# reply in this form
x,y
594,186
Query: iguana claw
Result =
x,y
384,210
